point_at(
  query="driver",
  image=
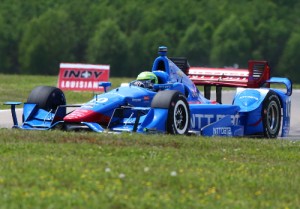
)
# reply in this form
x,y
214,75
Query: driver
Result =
x,y
146,80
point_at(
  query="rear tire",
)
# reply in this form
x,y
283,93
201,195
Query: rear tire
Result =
x,y
271,115
47,97
178,120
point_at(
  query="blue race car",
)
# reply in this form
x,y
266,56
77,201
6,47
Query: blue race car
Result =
x,y
167,100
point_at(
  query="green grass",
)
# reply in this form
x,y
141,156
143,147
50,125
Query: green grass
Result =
x,y
57,169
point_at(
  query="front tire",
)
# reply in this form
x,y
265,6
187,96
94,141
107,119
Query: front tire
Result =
x,y
178,120
271,115
47,98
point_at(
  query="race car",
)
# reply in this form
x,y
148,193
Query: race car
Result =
x,y
167,100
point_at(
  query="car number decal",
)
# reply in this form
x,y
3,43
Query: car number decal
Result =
x,y
102,100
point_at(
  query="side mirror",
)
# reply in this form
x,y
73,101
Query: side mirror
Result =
x,y
105,85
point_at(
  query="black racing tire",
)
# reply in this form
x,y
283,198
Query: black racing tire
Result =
x,y
271,115
47,97
178,120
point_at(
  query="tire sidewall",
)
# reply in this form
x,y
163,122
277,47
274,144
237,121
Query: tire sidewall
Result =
x,y
178,101
47,97
271,102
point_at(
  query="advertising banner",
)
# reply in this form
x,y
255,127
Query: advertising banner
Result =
x,y
82,77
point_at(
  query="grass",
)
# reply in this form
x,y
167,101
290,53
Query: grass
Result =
x,y
56,169
87,170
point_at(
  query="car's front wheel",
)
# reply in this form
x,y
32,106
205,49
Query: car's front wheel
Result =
x,y
47,97
178,120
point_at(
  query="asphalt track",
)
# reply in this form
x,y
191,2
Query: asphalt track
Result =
x,y
227,97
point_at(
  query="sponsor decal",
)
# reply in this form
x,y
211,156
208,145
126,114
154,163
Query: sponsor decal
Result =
x,y
222,131
248,97
101,100
164,86
82,77
200,120
136,100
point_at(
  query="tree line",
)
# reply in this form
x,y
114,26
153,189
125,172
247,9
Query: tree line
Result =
x,y
35,36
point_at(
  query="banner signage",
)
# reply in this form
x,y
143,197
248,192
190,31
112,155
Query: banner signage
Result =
x,y
82,77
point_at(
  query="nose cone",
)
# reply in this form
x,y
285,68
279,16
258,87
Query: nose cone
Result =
x,y
85,115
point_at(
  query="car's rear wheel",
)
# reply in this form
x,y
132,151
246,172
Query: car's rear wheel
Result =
x,y
47,97
178,120
271,115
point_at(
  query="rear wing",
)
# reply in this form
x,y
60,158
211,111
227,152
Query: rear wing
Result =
x,y
257,75
254,77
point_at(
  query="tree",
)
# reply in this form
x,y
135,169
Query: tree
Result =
x,y
138,54
231,44
4,59
36,35
47,41
270,40
290,62
10,30
196,44
144,49
86,14
108,45
268,28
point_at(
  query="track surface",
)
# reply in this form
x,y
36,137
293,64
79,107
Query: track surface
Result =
x,y
227,96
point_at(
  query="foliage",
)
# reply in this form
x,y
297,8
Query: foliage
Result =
x,y
35,36
291,58
196,43
108,44
230,38
44,44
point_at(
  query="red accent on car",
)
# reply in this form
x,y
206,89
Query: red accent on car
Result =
x,y
84,115
256,123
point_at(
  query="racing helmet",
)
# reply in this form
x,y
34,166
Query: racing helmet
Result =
x,y
147,78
